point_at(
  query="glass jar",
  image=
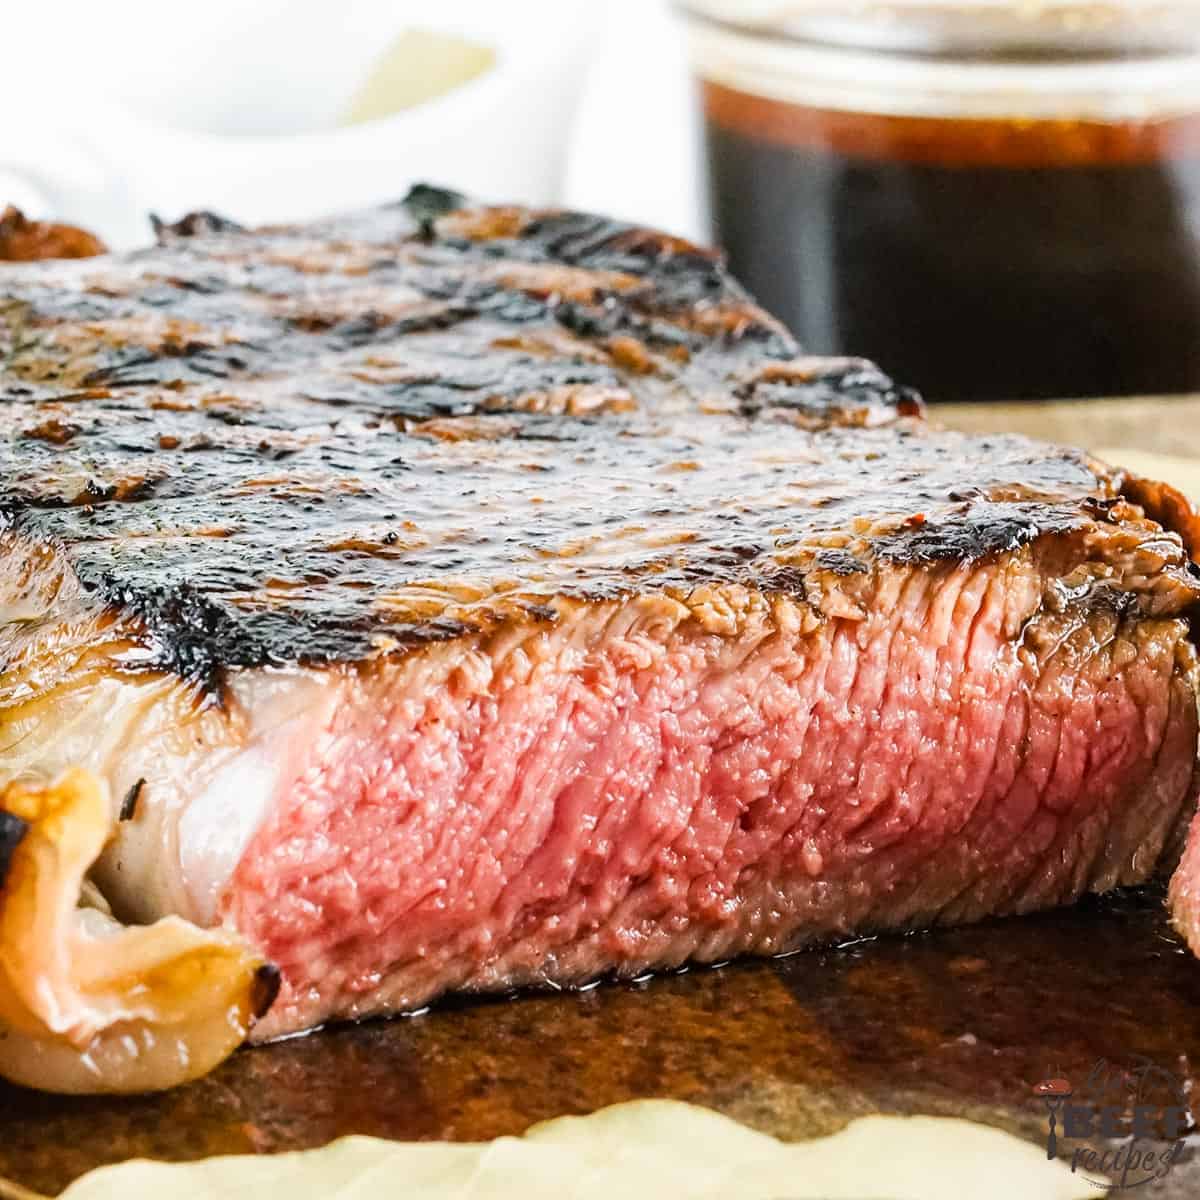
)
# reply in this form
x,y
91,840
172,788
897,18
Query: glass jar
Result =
x,y
994,201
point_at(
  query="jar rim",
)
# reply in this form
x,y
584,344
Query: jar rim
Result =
x,y
973,28
832,76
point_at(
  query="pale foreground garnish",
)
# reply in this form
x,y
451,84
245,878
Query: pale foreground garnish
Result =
x,y
88,1004
650,1148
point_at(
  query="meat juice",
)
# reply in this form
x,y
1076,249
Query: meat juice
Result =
x,y
974,258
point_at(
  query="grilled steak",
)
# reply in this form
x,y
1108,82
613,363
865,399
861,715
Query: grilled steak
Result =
x,y
466,598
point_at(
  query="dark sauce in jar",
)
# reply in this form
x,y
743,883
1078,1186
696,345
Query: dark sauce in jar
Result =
x,y
973,258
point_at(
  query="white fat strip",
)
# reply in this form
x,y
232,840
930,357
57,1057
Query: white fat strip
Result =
x,y
205,797
218,825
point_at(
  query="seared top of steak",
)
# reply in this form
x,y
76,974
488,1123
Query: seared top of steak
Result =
x,y
312,443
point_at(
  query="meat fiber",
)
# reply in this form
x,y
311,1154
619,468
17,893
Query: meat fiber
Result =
x,y
469,598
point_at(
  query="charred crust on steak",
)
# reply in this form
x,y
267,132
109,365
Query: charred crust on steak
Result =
x,y
426,203
267,982
319,444
129,804
816,392
12,833
836,562
193,224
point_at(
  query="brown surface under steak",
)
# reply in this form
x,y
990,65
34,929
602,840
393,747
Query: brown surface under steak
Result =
x,y
532,611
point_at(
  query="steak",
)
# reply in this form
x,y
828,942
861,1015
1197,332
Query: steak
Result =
x,y
463,598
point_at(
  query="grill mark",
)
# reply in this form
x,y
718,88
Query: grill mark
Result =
x,y
267,981
129,805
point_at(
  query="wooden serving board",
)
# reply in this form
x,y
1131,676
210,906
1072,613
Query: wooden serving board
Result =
x,y
955,1023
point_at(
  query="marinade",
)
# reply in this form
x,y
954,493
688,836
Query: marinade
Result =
x,y
975,258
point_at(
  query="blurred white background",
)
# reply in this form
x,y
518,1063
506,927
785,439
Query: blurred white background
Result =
x,y
115,109
636,148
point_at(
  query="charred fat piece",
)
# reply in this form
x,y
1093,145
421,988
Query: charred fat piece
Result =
x,y
90,1005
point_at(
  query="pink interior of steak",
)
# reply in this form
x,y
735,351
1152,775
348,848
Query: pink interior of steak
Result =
x,y
637,785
